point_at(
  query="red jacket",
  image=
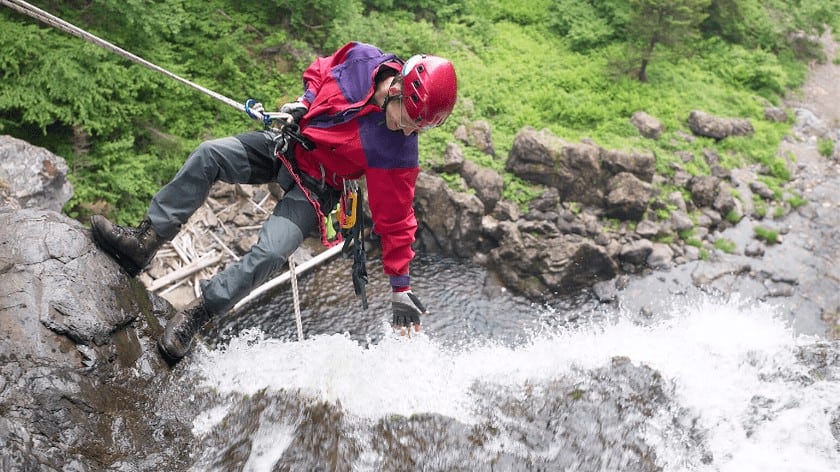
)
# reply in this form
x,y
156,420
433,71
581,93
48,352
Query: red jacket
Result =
x,y
351,140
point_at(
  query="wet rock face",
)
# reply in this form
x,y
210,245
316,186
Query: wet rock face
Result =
x,y
77,352
31,176
612,199
564,264
47,263
79,370
450,222
541,253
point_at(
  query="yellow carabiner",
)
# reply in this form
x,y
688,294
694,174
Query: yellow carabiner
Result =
x,y
347,213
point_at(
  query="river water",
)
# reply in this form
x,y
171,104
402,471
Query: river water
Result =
x,y
495,382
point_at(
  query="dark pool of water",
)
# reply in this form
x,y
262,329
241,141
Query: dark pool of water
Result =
x,y
464,301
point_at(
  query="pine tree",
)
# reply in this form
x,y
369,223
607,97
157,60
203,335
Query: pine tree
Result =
x,y
671,23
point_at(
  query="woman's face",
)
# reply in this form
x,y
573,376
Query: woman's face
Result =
x,y
396,116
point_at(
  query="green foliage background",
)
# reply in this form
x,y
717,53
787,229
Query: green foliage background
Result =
x,y
563,65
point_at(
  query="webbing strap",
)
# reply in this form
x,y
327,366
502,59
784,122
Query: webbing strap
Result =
x,y
355,243
322,226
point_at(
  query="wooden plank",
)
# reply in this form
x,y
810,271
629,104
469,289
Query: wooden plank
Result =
x,y
185,271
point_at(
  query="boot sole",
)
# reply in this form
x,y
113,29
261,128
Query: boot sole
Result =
x,y
127,264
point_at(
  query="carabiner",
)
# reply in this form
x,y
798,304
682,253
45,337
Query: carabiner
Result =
x,y
264,117
348,205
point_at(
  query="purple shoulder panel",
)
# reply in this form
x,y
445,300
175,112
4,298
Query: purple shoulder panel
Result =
x,y
386,149
354,76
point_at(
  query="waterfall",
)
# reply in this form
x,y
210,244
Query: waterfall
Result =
x,y
711,385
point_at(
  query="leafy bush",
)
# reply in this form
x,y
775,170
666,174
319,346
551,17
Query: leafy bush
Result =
x,y
756,70
825,147
394,32
580,24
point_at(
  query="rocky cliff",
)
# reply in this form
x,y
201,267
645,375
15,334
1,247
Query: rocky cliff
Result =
x,y
79,372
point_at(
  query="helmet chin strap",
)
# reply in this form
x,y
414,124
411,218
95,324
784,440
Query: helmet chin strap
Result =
x,y
394,93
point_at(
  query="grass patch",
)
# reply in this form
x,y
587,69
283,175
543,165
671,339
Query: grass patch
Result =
x,y
686,234
665,239
796,201
768,235
733,216
725,245
825,147
694,242
759,206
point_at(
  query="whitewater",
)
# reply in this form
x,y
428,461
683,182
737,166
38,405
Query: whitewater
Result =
x,y
735,367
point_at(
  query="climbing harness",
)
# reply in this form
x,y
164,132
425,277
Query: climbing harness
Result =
x,y
350,203
285,134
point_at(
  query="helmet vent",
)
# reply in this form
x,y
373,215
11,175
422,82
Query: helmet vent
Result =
x,y
416,83
420,69
415,98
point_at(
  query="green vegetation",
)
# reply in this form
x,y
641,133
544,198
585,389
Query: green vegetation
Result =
x,y
725,245
687,234
768,235
694,242
825,147
664,214
611,225
665,239
579,69
759,206
733,216
796,201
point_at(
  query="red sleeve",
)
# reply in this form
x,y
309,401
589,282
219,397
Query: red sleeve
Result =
x,y
391,196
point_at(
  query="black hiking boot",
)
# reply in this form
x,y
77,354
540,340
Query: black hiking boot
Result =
x,y
133,248
178,336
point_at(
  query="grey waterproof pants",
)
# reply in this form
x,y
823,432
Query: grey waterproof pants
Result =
x,y
245,159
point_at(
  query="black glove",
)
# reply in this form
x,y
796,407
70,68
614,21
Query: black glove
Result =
x,y
294,110
407,309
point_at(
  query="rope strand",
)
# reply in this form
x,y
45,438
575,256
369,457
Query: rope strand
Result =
x,y
295,297
34,12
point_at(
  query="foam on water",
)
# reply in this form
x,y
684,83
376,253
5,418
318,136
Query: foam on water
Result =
x,y
721,357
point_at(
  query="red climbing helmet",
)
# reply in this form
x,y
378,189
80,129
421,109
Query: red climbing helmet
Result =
x,y
429,89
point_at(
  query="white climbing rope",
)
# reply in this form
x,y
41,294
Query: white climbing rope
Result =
x,y
296,297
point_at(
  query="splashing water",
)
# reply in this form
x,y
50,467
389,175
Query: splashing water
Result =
x,y
735,369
